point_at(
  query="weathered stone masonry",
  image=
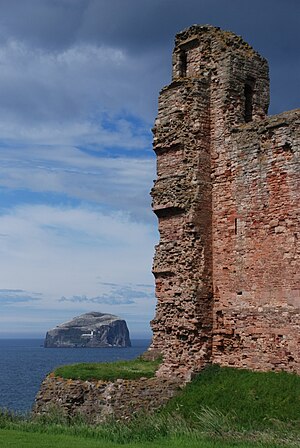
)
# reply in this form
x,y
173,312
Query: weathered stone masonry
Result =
x,y
99,401
227,199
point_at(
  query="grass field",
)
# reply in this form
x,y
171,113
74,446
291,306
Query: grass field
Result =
x,y
21,439
221,408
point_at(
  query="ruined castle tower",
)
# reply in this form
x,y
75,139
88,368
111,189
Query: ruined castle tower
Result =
x,y
227,199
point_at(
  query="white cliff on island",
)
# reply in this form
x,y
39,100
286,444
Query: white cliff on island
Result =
x,y
92,329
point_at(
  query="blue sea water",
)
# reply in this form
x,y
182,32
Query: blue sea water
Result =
x,y
24,363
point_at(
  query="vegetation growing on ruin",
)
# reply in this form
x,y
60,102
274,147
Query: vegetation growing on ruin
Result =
x,y
221,408
247,399
109,371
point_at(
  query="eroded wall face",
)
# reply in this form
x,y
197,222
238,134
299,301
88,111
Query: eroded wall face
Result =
x,y
182,328
227,201
256,251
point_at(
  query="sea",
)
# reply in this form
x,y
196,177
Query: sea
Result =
x,y
24,363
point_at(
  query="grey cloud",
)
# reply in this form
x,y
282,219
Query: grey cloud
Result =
x,y
57,25
15,296
132,293
81,84
9,291
108,284
47,23
97,300
119,294
143,285
142,25
144,32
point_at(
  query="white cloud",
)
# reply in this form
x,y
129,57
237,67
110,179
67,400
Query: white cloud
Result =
x,y
119,183
63,252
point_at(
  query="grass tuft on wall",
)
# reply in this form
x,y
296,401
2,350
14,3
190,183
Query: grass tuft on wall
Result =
x,y
109,371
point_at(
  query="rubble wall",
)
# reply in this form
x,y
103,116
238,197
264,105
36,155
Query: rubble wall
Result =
x,y
256,248
182,327
100,401
227,200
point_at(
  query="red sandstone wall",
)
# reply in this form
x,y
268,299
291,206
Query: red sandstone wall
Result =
x,y
256,251
182,327
227,201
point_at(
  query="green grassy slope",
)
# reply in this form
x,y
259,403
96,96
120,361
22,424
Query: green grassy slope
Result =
x,y
220,408
251,400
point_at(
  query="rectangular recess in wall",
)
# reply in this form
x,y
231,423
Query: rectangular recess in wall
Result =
x,y
167,212
248,93
235,226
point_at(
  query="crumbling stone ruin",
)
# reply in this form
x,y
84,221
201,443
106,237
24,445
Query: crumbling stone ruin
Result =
x,y
227,199
97,401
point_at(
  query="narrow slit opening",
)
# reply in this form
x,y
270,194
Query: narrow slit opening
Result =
x,y
182,63
235,226
248,92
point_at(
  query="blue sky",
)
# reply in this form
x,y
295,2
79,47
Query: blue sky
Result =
x,y
79,82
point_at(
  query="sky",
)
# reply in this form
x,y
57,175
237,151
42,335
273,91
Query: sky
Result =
x,y
79,84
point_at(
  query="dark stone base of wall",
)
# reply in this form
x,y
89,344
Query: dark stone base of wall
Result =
x,y
99,401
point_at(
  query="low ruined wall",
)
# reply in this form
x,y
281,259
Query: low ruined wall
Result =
x,y
98,401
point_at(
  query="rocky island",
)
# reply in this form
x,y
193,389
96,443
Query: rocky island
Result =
x,y
92,329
